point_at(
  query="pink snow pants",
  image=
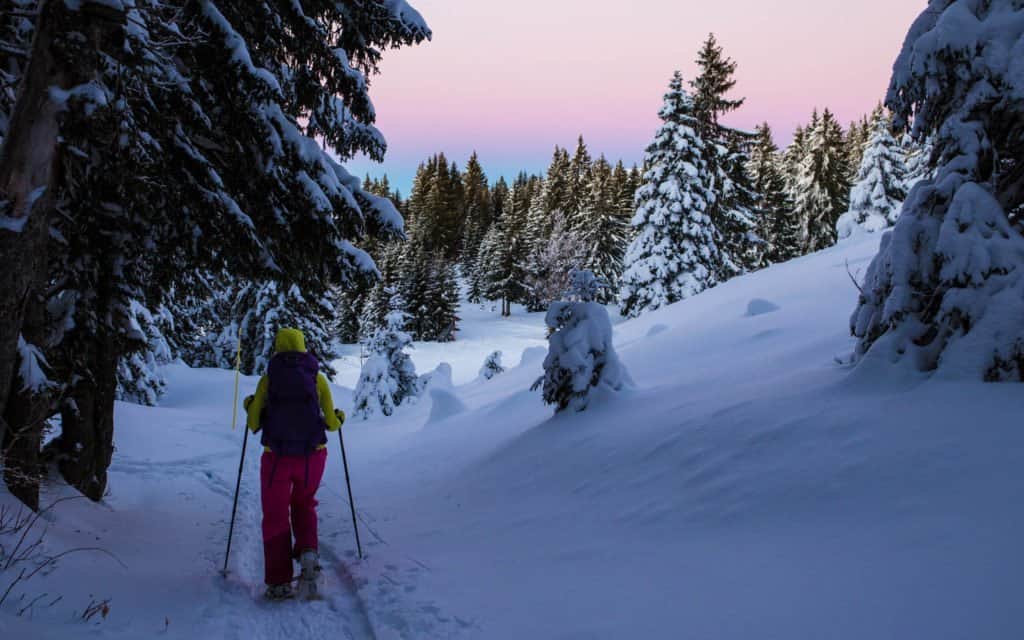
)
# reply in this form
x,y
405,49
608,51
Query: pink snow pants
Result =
x,y
288,495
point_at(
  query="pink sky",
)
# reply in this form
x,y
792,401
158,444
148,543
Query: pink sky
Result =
x,y
512,79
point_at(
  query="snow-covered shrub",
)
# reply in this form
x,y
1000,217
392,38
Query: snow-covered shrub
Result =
x,y
388,376
946,290
581,356
492,366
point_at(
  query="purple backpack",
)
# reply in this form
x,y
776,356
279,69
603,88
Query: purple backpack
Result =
x,y
292,423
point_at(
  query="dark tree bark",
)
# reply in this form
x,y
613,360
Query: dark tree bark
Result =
x,y
85,447
29,177
26,412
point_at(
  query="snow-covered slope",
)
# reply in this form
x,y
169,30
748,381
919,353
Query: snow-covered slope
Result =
x,y
748,487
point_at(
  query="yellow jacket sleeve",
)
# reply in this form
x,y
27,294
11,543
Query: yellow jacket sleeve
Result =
x,y
323,392
255,409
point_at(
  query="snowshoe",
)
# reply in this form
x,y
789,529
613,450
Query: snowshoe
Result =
x,y
310,576
278,592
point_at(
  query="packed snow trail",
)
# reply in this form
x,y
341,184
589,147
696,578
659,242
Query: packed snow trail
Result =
x,y
172,483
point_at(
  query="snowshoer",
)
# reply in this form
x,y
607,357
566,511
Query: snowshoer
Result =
x,y
293,407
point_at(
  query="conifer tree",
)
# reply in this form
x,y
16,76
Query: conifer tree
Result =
x,y
857,138
878,194
789,232
726,155
552,201
209,139
499,196
504,253
479,215
738,218
769,183
388,377
492,366
944,290
558,186
428,287
269,308
579,184
821,187
627,182
604,230
675,254
711,86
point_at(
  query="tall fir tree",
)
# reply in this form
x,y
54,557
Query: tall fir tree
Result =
x,y
820,187
675,254
604,230
479,214
579,184
857,137
715,80
504,253
726,155
769,183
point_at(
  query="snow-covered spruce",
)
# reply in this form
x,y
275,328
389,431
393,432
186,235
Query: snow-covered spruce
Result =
x,y
504,251
878,192
255,311
674,255
581,357
604,228
492,366
726,153
139,376
946,290
819,187
388,376
769,182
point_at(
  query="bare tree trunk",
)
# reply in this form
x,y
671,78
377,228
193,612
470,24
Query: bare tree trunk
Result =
x,y
30,168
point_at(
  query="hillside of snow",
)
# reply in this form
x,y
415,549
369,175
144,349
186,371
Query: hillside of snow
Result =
x,y
749,486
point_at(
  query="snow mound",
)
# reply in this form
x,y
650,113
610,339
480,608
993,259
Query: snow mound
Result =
x,y
759,307
532,355
444,405
656,329
439,379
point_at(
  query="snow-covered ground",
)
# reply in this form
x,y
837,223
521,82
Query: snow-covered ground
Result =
x,y
750,486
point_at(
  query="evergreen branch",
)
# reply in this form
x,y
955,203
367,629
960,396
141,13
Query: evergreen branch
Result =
x,y
14,51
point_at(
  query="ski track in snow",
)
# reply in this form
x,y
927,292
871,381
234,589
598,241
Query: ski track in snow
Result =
x,y
374,598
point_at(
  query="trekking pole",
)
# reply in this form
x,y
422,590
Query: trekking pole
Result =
x,y
241,462
234,508
351,502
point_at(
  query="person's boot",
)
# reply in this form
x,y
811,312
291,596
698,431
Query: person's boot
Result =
x,y
309,560
278,592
